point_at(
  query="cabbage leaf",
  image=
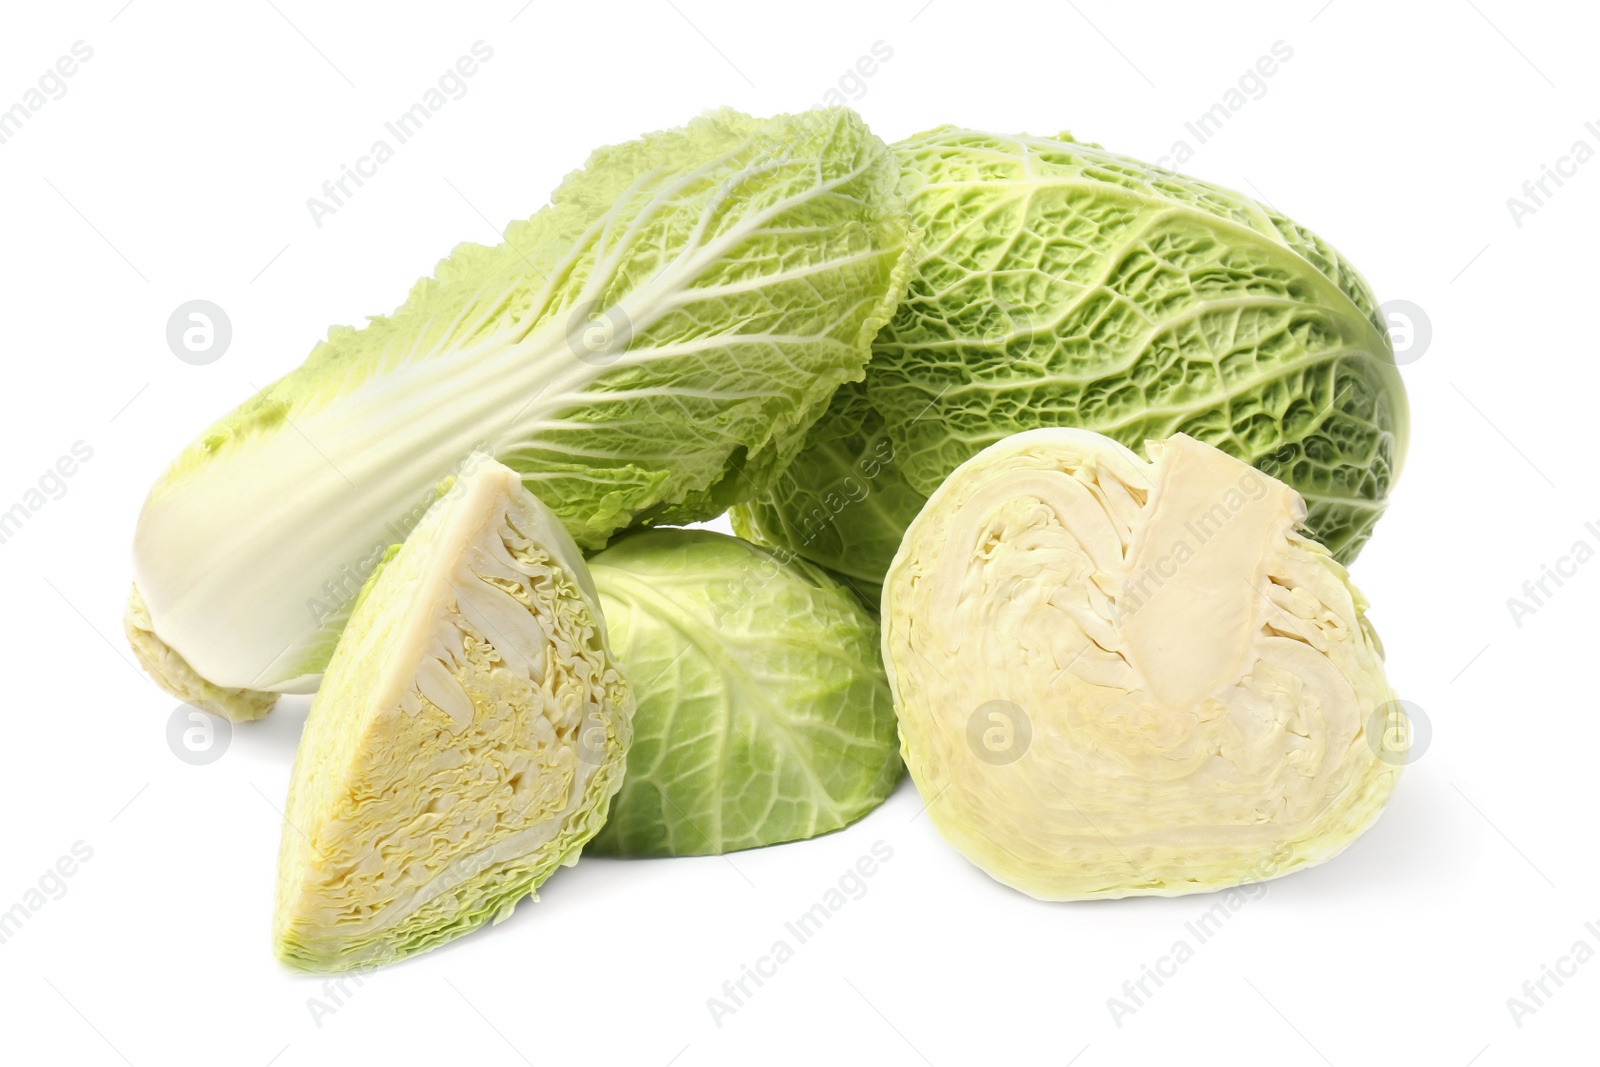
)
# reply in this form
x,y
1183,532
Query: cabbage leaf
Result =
x,y
764,713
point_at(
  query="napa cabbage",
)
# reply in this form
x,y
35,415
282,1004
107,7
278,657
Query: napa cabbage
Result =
x,y
651,347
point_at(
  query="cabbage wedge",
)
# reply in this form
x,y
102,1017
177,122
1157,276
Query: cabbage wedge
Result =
x,y
468,736
1119,677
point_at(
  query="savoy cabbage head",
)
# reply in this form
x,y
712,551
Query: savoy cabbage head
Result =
x,y
1062,285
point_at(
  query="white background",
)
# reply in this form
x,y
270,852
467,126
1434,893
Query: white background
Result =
x,y
177,166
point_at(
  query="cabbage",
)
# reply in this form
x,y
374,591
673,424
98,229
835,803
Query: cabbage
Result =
x,y
1062,285
1116,677
843,503
764,713
469,732
649,348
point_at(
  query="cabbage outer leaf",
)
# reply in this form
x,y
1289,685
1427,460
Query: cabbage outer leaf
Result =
x,y
764,713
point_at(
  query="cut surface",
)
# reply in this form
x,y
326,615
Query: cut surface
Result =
x,y
469,733
1117,677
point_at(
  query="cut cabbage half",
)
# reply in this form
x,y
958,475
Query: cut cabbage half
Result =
x,y
470,731
1116,677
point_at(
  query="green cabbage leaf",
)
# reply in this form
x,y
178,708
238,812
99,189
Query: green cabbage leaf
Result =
x,y
764,712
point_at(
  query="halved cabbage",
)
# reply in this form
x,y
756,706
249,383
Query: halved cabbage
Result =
x,y
1116,677
764,714
470,730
